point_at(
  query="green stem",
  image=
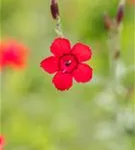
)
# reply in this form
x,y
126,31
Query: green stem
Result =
x,y
58,29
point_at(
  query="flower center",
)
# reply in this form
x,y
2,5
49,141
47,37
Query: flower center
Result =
x,y
68,63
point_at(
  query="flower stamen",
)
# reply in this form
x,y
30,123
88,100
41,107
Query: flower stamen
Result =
x,y
68,63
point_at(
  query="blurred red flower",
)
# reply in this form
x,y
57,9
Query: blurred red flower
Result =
x,y
13,54
1,142
68,63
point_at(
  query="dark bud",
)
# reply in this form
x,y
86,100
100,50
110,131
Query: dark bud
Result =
x,y
107,21
54,9
120,13
117,54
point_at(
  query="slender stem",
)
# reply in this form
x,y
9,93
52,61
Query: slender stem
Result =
x,y
114,43
114,33
58,29
54,1
114,49
55,14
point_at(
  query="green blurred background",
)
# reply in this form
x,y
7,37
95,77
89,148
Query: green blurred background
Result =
x,y
34,115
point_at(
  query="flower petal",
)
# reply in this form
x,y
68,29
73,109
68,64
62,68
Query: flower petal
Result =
x,y
83,73
60,46
82,52
50,64
62,81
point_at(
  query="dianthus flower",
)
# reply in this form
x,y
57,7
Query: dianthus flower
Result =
x,y
13,54
67,63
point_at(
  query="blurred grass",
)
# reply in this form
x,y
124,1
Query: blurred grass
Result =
x,y
35,116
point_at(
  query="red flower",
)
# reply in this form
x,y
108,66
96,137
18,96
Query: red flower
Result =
x,y
67,62
1,142
12,54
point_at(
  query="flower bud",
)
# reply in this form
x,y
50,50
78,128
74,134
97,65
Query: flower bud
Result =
x,y
116,54
107,21
120,14
54,9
